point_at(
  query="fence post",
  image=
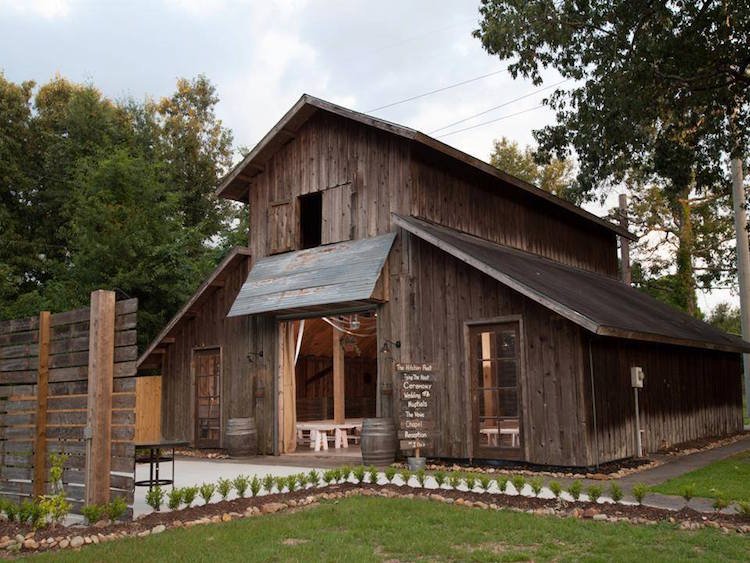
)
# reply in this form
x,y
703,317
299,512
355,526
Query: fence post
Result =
x,y
42,384
99,409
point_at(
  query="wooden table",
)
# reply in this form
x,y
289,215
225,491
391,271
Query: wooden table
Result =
x,y
319,430
154,457
493,435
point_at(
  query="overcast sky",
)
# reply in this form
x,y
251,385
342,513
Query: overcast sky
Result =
x,y
262,55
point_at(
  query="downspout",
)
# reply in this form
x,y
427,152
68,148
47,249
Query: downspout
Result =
x,y
593,402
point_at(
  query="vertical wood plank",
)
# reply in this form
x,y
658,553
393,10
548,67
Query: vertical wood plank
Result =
x,y
40,443
339,406
100,382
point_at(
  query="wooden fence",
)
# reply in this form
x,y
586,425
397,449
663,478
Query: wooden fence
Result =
x,y
67,385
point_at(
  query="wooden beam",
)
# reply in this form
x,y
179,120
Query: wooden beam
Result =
x,y
339,392
42,390
100,384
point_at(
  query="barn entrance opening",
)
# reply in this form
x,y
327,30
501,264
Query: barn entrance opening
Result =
x,y
328,373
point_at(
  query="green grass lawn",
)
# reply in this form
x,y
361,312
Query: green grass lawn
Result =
x,y
730,476
376,529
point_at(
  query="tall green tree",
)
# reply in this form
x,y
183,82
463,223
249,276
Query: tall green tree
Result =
x,y
555,176
661,97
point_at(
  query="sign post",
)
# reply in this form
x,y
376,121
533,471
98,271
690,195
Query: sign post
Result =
x,y
417,402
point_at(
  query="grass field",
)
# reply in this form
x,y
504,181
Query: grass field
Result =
x,y
376,529
730,477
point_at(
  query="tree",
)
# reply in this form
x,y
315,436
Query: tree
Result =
x,y
726,318
555,176
661,93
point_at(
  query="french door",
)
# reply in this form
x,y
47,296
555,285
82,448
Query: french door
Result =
x,y
207,368
495,371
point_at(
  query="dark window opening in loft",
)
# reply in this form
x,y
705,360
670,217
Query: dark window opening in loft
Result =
x,y
311,220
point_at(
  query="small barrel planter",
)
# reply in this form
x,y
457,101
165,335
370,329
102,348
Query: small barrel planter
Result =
x,y
241,438
378,441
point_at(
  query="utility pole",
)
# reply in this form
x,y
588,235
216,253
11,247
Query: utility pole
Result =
x,y
625,269
743,262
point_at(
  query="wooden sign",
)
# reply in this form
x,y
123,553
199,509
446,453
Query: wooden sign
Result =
x,y
417,400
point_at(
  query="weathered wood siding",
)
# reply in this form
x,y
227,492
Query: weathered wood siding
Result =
x,y
469,201
208,326
363,174
688,394
433,295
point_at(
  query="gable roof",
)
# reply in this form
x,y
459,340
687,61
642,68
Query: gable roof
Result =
x,y
214,280
235,184
344,274
598,303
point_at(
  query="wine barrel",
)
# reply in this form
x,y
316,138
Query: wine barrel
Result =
x,y
378,441
241,438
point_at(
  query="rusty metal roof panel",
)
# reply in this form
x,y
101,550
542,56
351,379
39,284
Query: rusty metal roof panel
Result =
x,y
340,273
601,304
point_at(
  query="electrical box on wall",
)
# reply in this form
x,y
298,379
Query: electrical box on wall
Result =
x,y
637,376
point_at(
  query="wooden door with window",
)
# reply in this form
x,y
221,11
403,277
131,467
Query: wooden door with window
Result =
x,y
495,371
207,398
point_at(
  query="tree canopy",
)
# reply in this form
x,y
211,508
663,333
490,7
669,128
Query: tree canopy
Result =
x,y
98,193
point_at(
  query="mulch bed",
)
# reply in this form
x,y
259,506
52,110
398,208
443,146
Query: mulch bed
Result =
x,y
239,506
701,444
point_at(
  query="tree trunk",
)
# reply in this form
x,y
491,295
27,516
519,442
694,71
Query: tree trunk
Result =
x,y
684,260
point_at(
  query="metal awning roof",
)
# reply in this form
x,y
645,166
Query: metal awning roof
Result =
x,y
601,304
333,277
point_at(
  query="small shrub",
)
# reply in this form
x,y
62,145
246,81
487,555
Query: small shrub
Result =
x,y
439,477
421,477
254,484
188,495
556,488
174,498
485,482
640,490
471,481
615,491
329,476
336,474
281,482
519,481
345,473
390,473
291,483
302,480
155,498
240,484
405,475
720,502
313,478
55,507
373,474
502,483
117,507
93,513
359,474
575,489
207,490
268,482
224,487
11,509
688,492
743,508
454,479
594,492
536,485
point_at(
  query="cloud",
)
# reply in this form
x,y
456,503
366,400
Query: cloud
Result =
x,y
47,9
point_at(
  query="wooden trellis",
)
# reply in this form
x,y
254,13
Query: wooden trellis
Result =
x,y
67,385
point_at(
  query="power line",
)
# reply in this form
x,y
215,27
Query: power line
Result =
x,y
443,89
491,121
509,102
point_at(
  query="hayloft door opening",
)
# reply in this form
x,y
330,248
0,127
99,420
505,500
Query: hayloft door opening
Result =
x,y
495,371
311,220
207,364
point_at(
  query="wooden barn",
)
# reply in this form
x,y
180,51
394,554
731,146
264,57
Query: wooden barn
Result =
x,y
373,247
